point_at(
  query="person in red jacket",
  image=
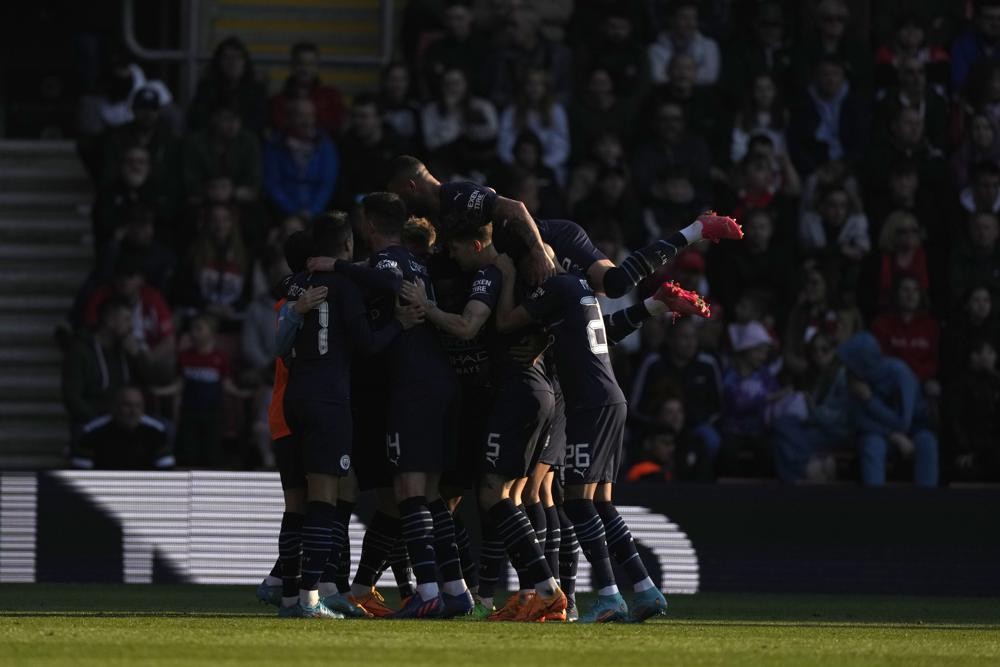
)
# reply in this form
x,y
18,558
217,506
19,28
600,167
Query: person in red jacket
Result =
x,y
911,333
901,243
304,82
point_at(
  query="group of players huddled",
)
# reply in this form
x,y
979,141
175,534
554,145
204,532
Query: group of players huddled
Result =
x,y
477,363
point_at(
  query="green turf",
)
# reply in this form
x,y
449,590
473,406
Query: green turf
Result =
x,y
221,625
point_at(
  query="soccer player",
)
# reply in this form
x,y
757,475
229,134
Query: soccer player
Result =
x,y
420,397
462,203
595,422
317,403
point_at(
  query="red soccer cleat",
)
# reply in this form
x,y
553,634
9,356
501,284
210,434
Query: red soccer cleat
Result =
x,y
681,301
717,227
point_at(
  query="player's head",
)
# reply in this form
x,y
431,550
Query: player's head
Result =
x,y
384,214
466,245
419,236
333,235
410,179
298,248
129,406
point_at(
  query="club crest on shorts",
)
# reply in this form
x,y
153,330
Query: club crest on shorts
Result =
x,y
345,462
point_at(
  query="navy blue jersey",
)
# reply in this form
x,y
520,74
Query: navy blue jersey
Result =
x,y
464,203
574,250
469,358
566,305
330,336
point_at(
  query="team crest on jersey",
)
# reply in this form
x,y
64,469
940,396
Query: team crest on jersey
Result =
x,y
345,462
386,264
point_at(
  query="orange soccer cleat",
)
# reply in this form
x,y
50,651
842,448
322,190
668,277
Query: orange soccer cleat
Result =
x,y
511,608
541,608
716,227
681,301
373,603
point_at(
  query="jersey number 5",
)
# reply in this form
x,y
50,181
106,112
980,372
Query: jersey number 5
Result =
x,y
322,340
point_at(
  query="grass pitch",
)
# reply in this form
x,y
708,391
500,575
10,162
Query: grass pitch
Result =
x,y
223,625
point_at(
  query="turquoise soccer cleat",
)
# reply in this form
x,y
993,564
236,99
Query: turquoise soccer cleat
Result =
x,y
320,610
646,605
269,594
340,604
607,609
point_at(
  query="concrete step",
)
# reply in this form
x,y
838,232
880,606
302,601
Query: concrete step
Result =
x,y
50,178
38,330
35,461
45,252
14,147
58,230
31,303
20,280
44,199
47,358
27,387
27,433
32,410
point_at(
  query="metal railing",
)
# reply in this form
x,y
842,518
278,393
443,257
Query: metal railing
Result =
x,y
190,55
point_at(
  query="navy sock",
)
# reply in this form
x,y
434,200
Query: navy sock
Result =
x,y
290,552
569,554
643,263
402,571
445,547
514,529
491,558
380,537
417,528
536,515
338,571
470,569
552,537
276,568
317,543
620,542
590,533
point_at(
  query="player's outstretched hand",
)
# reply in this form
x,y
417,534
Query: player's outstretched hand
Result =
x,y
414,292
540,266
410,315
505,264
310,299
321,264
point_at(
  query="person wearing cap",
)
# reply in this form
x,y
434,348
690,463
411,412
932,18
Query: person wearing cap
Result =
x,y
749,389
150,129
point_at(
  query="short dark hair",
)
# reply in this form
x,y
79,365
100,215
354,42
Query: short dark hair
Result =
x,y
481,233
303,47
128,266
110,305
404,166
298,248
386,212
367,99
330,232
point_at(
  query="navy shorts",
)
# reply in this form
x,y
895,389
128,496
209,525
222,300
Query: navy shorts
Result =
x,y
475,405
420,430
290,461
324,429
594,444
517,429
370,465
554,452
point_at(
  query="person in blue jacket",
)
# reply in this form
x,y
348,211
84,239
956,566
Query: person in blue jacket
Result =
x,y
301,165
886,407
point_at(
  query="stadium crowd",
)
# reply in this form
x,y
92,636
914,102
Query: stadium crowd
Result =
x,y
853,333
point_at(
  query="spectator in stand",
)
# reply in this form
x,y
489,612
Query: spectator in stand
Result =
x,y
588,21
605,151
803,444
132,187
902,253
671,204
905,194
204,377
763,52
976,321
678,369
100,360
617,50
688,459
462,47
764,180
906,142
683,36
400,106
521,46
975,416
304,83
611,204
982,194
151,319
975,257
229,75
910,333
597,112
829,122
700,103
763,113
125,439
979,42
537,110
528,158
908,45
659,458
887,408
831,41
368,146
671,146
980,144
837,233
214,277
912,92
223,150
301,165
749,390
137,240
150,129
459,130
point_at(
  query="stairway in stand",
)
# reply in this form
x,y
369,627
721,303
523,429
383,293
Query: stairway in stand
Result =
x,y
45,254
